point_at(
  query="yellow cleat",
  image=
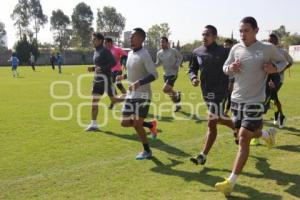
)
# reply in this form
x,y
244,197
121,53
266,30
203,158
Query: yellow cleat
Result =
x,y
270,141
224,187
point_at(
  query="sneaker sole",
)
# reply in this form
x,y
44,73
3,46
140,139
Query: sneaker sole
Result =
x,y
194,160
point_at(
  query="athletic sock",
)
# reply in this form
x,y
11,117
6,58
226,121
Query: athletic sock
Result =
x,y
94,122
146,147
232,178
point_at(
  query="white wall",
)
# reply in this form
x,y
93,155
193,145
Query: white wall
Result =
x,y
294,51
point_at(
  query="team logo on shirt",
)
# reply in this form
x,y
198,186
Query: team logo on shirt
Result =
x,y
259,54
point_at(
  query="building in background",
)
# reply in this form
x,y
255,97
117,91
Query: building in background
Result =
x,y
294,51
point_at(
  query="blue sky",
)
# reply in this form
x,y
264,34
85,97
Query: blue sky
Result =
x,y
186,18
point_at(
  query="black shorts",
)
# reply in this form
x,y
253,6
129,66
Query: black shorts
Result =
x,y
114,75
100,86
170,80
216,108
136,107
248,116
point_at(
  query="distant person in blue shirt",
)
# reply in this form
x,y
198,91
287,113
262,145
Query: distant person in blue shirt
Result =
x,y
59,61
14,64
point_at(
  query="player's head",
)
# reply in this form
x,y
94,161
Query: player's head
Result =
x,y
97,39
273,39
164,42
108,42
137,37
228,43
209,35
248,30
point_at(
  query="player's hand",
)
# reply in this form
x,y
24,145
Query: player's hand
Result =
x,y
195,82
235,67
119,78
271,84
134,86
98,70
269,68
91,69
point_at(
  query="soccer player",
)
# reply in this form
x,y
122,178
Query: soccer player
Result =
x,y
14,64
170,59
32,61
279,117
209,59
249,62
141,71
118,54
228,43
52,61
103,63
59,61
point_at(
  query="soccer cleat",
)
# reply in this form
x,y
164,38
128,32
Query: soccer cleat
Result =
x,y
92,128
282,121
254,142
144,155
153,130
276,114
270,141
199,159
225,187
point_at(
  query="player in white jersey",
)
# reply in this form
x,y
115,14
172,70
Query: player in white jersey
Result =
x,y
170,59
249,62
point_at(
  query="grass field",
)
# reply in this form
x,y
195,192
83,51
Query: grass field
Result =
x,y
44,158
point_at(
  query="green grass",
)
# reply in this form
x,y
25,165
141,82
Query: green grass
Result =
x,y
42,158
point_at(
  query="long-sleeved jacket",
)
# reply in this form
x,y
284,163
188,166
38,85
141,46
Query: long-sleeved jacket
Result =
x,y
210,60
104,59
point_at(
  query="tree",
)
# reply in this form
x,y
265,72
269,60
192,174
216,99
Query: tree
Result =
x,y
21,17
189,47
2,34
59,25
37,15
155,32
281,32
286,38
82,19
24,47
110,22
178,45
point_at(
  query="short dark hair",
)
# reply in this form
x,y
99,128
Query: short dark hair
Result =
x,y
273,35
250,20
98,35
164,38
228,41
140,32
212,29
108,39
